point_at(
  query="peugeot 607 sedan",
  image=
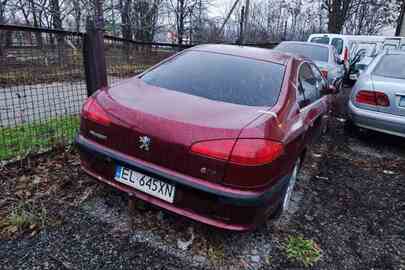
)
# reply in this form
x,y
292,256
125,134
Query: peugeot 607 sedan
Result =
x,y
215,133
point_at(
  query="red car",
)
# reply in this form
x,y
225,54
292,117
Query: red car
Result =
x,y
215,133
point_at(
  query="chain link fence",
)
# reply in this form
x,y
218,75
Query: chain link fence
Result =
x,y
125,58
43,83
42,88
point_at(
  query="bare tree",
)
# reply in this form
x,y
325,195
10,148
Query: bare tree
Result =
x,y
338,13
182,10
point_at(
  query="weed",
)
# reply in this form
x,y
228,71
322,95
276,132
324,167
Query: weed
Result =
x,y
26,215
302,250
216,254
25,138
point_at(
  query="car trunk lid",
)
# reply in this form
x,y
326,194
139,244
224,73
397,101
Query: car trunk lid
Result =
x,y
395,90
172,121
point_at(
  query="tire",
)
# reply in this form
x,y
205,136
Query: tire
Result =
x,y
350,127
288,192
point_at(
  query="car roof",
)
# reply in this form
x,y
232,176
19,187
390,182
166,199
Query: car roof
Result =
x,y
308,44
246,52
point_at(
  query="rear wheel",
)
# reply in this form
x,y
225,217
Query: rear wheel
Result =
x,y
289,191
291,184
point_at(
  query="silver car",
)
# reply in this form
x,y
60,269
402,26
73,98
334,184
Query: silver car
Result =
x,y
377,100
324,56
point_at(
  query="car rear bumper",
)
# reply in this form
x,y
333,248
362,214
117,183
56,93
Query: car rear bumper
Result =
x,y
378,121
209,203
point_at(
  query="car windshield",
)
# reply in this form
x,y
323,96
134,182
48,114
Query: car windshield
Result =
x,y
321,40
391,66
313,52
220,77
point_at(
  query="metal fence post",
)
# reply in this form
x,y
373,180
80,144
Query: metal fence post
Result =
x,y
94,58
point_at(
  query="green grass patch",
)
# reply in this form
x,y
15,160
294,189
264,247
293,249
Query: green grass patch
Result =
x,y
303,251
34,137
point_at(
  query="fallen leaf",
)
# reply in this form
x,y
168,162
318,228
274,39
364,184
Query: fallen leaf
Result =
x,y
36,180
321,177
184,245
13,229
20,194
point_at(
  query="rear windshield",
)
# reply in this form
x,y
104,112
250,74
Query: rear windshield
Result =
x,y
313,52
391,66
220,77
322,40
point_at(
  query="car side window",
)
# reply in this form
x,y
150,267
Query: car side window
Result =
x,y
338,44
309,84
301,97
322,84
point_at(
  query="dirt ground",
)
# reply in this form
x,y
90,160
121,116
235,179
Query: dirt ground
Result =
x,y
350,200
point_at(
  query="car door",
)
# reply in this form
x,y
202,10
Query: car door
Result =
x,y
313,107
327,101
340,67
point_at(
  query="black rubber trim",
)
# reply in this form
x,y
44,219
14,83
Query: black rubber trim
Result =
x,y
227,197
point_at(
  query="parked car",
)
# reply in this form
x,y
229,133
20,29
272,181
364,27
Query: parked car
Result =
x,y
345,44
377,100
215,133
363,54
324,56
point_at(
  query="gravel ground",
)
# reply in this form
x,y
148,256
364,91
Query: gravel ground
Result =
x,y
82,242
349,199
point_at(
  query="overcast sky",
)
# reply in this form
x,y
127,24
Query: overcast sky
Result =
x,y
219,7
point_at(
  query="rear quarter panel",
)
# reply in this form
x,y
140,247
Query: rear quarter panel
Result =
x,y
289,127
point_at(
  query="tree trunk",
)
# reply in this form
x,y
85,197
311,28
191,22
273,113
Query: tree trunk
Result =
x,y
56,14
338,11
180,21
125,18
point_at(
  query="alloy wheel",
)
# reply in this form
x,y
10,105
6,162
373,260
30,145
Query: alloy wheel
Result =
x,y
291,185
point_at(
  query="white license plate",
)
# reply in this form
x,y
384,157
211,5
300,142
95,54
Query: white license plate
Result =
x,y
144,183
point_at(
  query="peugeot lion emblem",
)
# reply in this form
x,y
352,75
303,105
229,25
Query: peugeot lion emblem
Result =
x,y
144,143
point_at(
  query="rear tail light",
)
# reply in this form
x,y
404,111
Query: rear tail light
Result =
x,y
382,99
250,152
93,112
256,151
219,149
373,98
325,73
346,55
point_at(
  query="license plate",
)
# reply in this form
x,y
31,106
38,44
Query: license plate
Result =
x,y
402,102
146,184
353,77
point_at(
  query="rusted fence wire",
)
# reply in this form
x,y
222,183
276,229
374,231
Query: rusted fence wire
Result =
x,y
42,88
127,58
